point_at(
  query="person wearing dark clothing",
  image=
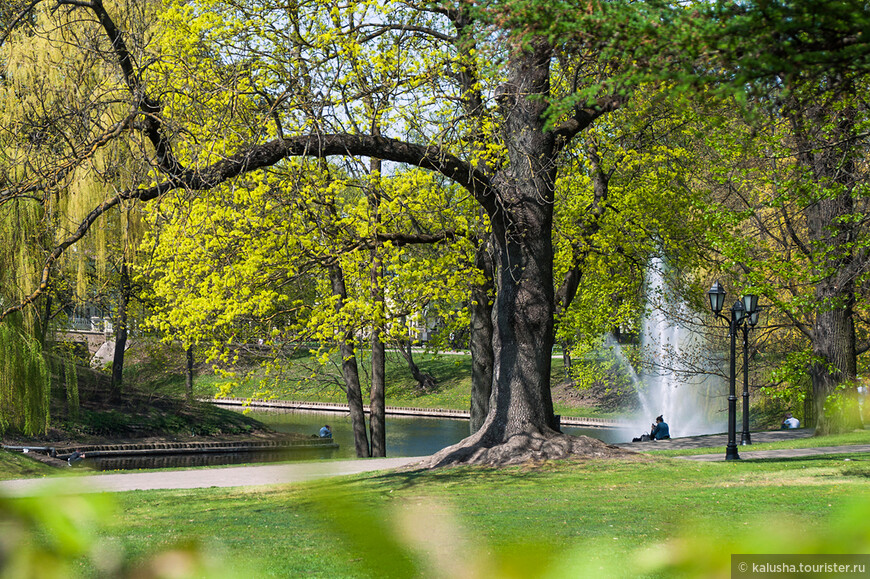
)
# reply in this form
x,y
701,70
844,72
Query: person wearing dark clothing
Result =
x,y
75,458
660,430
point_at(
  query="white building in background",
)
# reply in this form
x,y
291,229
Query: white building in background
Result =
x,y
86,324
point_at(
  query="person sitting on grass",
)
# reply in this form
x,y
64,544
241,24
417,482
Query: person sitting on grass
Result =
x,y
660,430
325,432
790,422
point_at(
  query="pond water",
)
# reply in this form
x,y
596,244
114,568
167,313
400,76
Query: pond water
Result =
x,y
406,436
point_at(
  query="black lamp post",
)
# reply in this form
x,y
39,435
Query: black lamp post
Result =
x,y
750,304
745,310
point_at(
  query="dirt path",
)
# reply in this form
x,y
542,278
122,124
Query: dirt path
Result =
x,y
302,471
783,453
199,478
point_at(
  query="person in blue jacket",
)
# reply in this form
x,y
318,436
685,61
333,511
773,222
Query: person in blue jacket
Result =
x,y
326,432
660,430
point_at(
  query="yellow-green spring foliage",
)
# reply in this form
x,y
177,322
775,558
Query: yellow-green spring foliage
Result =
x,y
72,387
24,382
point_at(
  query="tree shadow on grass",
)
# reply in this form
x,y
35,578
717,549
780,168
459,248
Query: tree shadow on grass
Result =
x,y
835,458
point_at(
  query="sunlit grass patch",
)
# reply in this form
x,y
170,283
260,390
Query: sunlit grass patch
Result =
x,y
556,519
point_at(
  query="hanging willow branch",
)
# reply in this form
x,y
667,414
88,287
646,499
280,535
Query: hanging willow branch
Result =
x,y
24,383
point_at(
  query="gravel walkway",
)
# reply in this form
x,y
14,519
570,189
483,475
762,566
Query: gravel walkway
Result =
x,y
295,472
745,451
199,478
783,453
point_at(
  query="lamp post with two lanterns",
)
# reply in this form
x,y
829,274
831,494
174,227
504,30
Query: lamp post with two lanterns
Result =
x,y
744,315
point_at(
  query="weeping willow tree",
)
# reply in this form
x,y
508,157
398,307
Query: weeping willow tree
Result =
x,y
63,106
24,381
24,376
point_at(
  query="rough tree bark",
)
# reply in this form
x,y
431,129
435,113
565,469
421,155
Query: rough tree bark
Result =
x,y
834,352
520,424
120,333
480,339
349,367
425,382
823,141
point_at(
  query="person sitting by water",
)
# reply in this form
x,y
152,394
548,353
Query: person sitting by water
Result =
x,y
660,430
790,422
325,432
75,458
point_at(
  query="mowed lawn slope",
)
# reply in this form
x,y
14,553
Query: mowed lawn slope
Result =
x,y
626,518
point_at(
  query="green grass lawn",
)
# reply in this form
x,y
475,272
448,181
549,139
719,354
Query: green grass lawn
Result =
x,y
660,518
856,437
301,381
14,464
657,516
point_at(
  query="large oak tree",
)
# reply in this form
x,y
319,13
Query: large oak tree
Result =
x,y
434,86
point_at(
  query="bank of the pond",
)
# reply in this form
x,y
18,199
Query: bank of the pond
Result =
x,y
293,435
304,405
406,435
170,454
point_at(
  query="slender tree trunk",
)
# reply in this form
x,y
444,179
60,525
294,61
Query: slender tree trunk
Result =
x,y
425,382
349,367
480,341
188,372
377,404
120,333
566,358
43,330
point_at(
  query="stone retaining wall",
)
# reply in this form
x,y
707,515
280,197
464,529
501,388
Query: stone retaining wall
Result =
x,y
139,449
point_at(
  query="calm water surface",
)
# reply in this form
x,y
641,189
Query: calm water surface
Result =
x,y
406,436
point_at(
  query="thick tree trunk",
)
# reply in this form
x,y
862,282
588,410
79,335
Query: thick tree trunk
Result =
x,y
480,340
520,424
523,320
834,345
834,350
349,367
120,334
825,153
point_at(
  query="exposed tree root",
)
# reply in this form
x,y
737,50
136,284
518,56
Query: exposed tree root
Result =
x,y
521,448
